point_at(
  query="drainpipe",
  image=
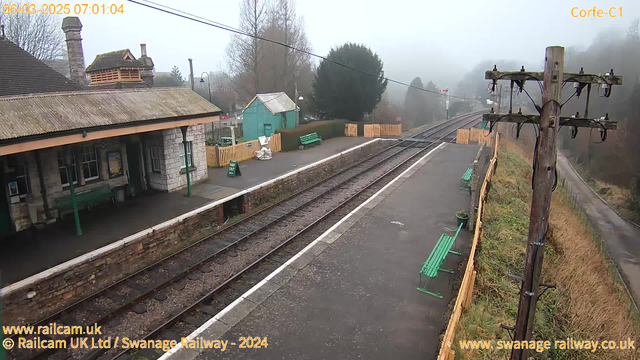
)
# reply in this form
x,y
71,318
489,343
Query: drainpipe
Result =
x,y
72,191
43,188
186,158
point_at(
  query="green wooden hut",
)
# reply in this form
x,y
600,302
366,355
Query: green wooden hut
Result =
x,y
266,113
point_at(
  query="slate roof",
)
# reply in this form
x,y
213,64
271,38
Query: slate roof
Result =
x,y
113,60
21,73
30,115
277,102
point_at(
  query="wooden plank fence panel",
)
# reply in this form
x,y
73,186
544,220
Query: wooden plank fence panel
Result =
x,y
390,129
351,130
240,152
212,159
275,143
462,137
372,130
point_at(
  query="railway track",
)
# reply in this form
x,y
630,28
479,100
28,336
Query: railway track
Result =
x,y
231,260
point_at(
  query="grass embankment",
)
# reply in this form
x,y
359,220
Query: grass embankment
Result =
x,y
619,198
587,304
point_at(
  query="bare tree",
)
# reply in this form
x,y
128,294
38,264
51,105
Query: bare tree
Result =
x,y
245,52
38,34
287,65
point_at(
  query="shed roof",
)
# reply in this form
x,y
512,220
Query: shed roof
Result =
x,y
277,102
22,73
114,60
30,115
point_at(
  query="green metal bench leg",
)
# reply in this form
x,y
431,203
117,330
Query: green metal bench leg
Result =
x,y
446,270
424,290
455,252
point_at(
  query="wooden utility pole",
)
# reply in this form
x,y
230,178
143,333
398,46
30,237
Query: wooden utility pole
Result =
x,y
543,181
544,176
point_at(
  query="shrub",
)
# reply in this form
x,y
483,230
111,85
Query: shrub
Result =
x,y
326,129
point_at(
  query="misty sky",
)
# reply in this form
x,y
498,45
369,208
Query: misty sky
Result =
x,y
436,40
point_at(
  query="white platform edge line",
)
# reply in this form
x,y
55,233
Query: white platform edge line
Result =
x,y
131,238
243,297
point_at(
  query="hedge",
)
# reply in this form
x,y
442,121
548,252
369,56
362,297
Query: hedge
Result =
x,y
326,129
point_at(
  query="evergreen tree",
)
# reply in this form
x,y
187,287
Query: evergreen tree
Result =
x,y
415,105
176,75
345,93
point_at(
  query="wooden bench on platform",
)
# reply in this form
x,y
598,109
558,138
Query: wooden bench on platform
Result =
x,y
310,139
85,198
466,179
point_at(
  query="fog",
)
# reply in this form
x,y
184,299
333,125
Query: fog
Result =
x,y
447,44
437,41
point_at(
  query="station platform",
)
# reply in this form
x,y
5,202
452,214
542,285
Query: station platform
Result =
x,y
32,251
352,292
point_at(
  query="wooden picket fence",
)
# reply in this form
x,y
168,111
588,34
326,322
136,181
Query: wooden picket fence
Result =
x,y
378,130
222,156
350,129
465,294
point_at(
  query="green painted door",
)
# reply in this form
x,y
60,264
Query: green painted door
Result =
x,y
268,130
135,175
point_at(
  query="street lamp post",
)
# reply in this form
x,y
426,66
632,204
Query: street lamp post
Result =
x,y
208,82
297,97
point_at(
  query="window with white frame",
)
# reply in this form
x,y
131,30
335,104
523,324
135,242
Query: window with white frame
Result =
x,y
64,174
156,158
189,155
90,168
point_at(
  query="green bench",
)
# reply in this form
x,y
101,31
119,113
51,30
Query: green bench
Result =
x,y
85,198
433,264
466,179
310,139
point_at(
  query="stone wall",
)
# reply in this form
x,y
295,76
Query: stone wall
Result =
x,y
172,176
92,271
173,147
305,178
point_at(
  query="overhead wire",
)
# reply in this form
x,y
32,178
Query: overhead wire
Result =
x,y
204,21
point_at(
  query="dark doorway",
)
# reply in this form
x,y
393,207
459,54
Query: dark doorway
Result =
x,y
6,225
134,175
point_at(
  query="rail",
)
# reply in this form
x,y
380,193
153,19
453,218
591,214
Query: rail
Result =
x,y
58,316
209,296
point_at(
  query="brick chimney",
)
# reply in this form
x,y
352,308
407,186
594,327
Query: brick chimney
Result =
x,y
147,73
72,27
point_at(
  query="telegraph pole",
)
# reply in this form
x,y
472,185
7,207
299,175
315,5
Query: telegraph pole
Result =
x,y
543,183
544,176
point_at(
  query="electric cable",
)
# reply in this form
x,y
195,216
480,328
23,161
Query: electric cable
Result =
x,y
204,21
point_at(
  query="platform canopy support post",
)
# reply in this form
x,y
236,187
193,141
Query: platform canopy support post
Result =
x,y
68,154
186,158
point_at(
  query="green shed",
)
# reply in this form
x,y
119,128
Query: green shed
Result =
x,y
267,113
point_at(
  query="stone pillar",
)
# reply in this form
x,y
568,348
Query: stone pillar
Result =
x,y
72,27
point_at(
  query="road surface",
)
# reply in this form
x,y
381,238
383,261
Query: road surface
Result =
x,y
621,238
